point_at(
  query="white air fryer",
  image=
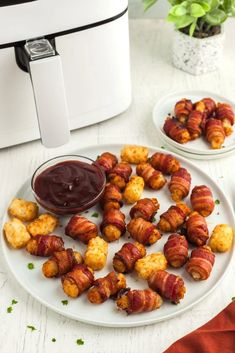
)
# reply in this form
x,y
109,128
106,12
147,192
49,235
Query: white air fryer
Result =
x,y
64,64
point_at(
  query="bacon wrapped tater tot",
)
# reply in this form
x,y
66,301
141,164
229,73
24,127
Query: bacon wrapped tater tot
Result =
x,y
145,208
124,260
149,264
143,231
153,178
104,288
24,210
225,113
167,285
173,218
96,254
193,124
207,106
44,224
80,228
166,163
112,198
44,245
77,281
134,154
134,189
179,185
120,174
183,109
214,133
176,250
139,301
202,200
200,264
61,262
113,225
107,161
221,239
197,231
176,131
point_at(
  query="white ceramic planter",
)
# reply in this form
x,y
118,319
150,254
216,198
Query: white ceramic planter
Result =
x,y
197,56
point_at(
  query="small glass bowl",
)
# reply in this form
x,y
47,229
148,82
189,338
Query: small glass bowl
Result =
x,y
66,209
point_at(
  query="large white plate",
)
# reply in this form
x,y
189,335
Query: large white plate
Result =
x,y
50,293
166,104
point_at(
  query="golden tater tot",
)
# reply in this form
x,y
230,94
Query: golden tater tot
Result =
x,y
96,253
43,225
134,154
16,233
149,264
221,238
24,210
134,189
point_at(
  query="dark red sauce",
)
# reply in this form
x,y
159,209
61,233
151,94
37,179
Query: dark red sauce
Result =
x,y
69,186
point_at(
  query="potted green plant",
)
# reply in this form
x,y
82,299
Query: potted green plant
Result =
x,y
198,39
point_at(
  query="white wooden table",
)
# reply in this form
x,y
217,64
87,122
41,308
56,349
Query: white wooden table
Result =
x,y
152,75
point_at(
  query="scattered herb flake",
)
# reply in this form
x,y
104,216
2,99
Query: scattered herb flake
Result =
x,y
53,339
98,157
163,147
154,219
95,214
13,302
80,342
9,310
32,328
64,302
217,202
30,266
233,298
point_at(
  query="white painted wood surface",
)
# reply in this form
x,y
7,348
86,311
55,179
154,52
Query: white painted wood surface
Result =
x,y
152,75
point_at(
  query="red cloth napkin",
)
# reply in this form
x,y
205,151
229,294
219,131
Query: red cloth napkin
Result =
x,y
217,336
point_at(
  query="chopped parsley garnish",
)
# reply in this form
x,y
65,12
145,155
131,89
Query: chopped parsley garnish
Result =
x,y
64,302
95,214
30,266
233,299
32,328
53,339
217,202
13,302
154,219
80,342
163,147
9,310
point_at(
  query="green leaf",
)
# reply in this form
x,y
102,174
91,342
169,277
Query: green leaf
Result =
x,y
233,298
214,4
197,10
205,6
9,310
216,17
192,28
30,266
64,302
183,21
148,4
178,10
95,214
14,302
80,342
217,202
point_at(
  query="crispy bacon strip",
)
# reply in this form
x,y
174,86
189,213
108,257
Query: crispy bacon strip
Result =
x,y
183,109
104,288
107,161
143,231
145,208
166,163
124,260
193,124
197,231
202,200
176,250
200,264
176,131
214,132
60,263
113,225
119,175
112,197
207,106
225,113
44,245
153,178
179,185
173,218
167,285
139,301
77,281
80,228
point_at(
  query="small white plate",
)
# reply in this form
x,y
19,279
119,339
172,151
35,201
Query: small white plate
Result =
x,y
166,104
49,291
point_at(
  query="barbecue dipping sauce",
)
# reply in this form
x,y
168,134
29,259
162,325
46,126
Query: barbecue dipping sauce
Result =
x,y
69,186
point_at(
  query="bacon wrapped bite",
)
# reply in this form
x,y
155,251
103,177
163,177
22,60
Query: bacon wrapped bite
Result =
x,y
225,113
173,218
153,178
134,154
119,175
112,198
80,228
104,288
167,285
166,163
124,260
214,133
134,189
61,262
44,245
145,208
207,106
96,253
202,200
176,131
149,264
139,301
183,109
200,264
107,161
143,231
197,231
113,225
179,185
75,282
194,123
176,250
